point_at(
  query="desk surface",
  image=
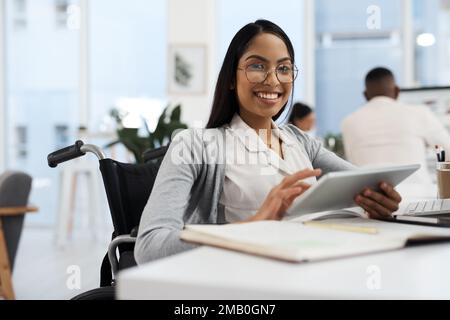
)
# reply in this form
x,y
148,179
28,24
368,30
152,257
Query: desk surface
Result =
x,y
210,273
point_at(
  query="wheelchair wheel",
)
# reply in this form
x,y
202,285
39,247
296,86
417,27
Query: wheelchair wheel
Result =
x,y
102,293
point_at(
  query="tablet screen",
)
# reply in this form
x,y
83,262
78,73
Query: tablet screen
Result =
x,y
336,190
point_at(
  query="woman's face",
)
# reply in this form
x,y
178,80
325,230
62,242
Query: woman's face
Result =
x,y
266,52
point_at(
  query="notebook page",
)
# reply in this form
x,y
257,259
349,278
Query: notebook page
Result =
x,y
343,213
393,229
293,240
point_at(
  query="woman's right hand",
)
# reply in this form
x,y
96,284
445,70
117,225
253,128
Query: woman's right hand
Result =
x,y
280,198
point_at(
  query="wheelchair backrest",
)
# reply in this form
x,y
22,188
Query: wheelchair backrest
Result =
x,y
128,187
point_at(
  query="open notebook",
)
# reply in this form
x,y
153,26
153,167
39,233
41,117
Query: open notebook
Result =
x,y
299,240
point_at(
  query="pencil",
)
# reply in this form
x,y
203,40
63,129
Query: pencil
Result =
x,y
341,227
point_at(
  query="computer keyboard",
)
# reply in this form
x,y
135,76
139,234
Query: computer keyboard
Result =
x,y
428,207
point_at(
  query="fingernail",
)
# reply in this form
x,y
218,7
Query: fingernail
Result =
x,y
367,193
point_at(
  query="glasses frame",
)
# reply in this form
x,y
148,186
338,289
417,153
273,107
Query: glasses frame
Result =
x,y
294,70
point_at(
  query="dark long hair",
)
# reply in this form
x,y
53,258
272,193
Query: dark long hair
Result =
x,y
225,103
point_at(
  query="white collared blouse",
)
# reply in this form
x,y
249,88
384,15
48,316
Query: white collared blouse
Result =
x,y
252,169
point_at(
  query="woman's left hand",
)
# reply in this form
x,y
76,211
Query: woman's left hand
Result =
x,y
379,204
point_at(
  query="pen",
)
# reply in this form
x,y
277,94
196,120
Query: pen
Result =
x,y
438,153
341,227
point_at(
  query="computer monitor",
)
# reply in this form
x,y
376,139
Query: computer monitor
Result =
x,y
436,98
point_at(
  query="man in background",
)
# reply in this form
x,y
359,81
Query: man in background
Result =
x,y
303,117
387,132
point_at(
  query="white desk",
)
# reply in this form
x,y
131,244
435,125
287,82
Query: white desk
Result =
x,y
210,273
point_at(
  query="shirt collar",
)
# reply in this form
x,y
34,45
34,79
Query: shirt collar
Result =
x,y
283,135
379,99
250,138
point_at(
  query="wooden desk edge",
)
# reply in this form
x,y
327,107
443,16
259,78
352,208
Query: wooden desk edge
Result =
x,y
15,211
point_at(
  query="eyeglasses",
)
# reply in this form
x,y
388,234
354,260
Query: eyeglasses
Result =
x,y
257,73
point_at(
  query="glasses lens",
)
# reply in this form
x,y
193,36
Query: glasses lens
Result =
x,y
255,76
295,73
285,78
285,74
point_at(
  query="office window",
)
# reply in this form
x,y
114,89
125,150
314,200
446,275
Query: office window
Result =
x,y
62,136
19,19
352,37
42,84
432,42
21,142
127,48
67,15
61,13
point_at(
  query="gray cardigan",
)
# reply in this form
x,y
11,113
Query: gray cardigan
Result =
x,y
189,184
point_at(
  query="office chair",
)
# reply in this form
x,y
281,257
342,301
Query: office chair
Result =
x,y
15,189
128,187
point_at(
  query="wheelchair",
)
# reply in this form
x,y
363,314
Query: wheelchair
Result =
x,y
128,187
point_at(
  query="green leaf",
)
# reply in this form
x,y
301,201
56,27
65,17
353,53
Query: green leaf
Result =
x,y
176,114
111,144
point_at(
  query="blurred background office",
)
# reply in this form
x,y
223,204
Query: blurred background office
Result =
x,y
66,64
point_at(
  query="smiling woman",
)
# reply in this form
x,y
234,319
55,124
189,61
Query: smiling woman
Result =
x,y
255,51
269,75
246,168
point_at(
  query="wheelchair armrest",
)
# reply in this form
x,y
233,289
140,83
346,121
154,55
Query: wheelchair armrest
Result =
x,y
112,251
134,232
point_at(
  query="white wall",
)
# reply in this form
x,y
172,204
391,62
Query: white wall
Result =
x,y
193,22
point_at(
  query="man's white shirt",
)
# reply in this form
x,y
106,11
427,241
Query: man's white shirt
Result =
x,y
388,132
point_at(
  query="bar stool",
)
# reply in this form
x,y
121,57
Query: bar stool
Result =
x,y
69,186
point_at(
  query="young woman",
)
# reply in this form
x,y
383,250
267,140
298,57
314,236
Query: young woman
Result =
x,y
242,167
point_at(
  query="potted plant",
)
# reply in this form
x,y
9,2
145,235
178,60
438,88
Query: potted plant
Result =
x,y
335,143
138,144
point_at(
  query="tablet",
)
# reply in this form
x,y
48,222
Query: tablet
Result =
x,y
337,190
